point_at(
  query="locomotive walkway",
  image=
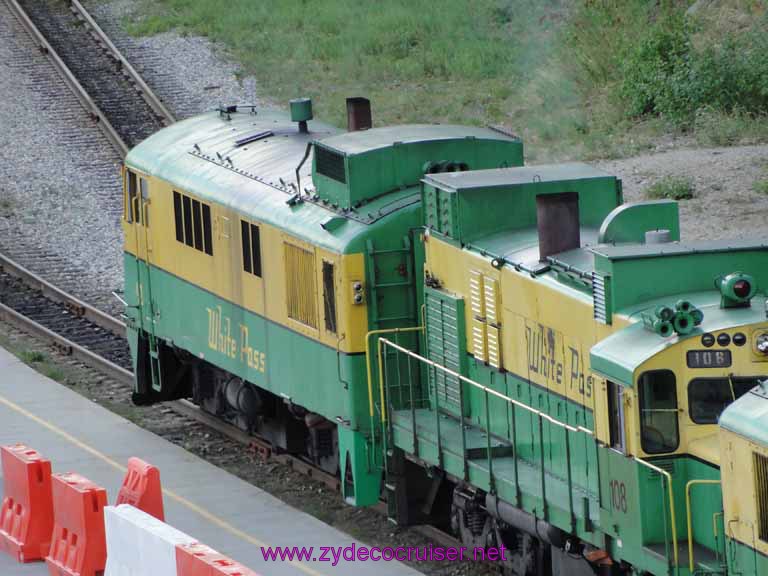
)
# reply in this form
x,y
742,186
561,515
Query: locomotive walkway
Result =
x,y
207,503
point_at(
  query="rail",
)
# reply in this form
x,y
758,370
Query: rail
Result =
x,y
77,306
147,93
69,78
541,418
88,103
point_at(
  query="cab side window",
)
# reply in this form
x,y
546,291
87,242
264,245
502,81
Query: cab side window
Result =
x,y
131,189
659,431
616,417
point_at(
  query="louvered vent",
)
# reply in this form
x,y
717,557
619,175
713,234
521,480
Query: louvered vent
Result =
x,y
300,285
600,299
761,494
330,164
477,305
493,325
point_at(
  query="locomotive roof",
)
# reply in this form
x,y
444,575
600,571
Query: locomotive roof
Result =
x,y
201,155
375,138
633,251
514,176
748,416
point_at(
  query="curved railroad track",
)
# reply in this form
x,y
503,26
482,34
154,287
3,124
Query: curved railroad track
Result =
x,y
110,90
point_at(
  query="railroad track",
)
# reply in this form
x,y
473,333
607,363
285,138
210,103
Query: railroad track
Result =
x,y
98,340
110,90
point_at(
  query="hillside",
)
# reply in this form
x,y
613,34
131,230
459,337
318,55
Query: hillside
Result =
x,y
576,78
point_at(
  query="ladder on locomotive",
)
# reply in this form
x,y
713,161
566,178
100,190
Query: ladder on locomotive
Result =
x,y
390,276
146,301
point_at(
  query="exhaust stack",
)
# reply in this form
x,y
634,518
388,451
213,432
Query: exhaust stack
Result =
x,y
358,114
558,223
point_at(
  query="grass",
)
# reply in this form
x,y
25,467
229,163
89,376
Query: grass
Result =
x,y
32,357
761,186
553,71
672,188
40,362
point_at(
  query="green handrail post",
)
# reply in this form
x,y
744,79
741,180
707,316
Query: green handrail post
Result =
x,y
491,483
572,516
413,409
463,432
437,420
545,514
514,454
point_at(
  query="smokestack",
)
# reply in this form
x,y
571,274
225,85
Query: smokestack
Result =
x,y
358,114
558,222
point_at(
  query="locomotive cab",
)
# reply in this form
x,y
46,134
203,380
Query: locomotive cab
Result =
x,y
744,467
665,396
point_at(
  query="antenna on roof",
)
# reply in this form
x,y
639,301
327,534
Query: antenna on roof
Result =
x,y
251,90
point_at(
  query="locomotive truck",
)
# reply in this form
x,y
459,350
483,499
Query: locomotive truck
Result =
x,y
508,351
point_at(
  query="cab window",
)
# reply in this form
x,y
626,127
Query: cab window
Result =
x,y
659,432
616,416
131,189
708,397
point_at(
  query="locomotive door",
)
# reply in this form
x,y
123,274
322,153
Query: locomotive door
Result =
x,y
139,216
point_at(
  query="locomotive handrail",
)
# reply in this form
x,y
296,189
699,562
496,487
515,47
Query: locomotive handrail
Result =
x,y
491,391
542,416
368,355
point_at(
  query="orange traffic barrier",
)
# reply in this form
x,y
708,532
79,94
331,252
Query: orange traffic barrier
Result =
x,y
78,544
141,488
26,515
200,560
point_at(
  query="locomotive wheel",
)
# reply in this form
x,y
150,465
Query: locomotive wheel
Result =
x,y
525,555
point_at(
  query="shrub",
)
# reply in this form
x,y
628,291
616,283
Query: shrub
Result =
x,y
665,74
671,187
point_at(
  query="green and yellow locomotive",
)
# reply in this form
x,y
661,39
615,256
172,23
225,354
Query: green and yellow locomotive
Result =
x,y
510,351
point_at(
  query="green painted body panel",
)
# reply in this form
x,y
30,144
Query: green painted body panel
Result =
x,y
491,201
325,381
618,356
748,417
634,269
629,222
745,560
383,159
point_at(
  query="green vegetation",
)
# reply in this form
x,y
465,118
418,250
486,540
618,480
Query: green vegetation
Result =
x,y
32,357
573,77
761,186
40,362
672,188
6,206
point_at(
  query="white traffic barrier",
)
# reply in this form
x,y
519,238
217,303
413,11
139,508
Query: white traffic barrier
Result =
x,y
139,544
